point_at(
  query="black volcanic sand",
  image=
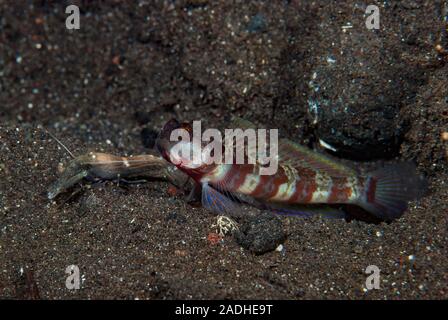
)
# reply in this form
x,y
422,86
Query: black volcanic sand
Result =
x,y
131,68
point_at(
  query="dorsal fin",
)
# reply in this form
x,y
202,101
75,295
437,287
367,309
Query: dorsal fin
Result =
x,y
300,156
295,155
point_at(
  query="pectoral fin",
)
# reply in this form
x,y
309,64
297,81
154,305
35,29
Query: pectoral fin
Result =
x,y
218,203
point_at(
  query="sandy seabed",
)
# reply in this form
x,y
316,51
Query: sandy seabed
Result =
x,y
130,68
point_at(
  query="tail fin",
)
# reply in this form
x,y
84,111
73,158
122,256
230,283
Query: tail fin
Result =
x,y
389,189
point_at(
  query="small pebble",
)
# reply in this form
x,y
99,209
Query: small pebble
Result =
x,y
214,238
180,253
257,23
439,48
116,60
358,249
173,191
261,234
445,136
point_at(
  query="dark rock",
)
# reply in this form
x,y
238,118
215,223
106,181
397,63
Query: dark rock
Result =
x,y
261,234
149,137
359,84
358,115
300,293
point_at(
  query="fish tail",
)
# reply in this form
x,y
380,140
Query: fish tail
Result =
x,y
389,189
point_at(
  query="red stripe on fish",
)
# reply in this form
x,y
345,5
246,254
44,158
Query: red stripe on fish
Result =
x,y
340,191
264,187
268,185
279,179
236,176
305,187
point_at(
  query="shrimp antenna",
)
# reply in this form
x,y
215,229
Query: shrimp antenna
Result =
x,y
59,142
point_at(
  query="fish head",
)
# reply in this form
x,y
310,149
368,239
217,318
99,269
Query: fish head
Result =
x,y
176,145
